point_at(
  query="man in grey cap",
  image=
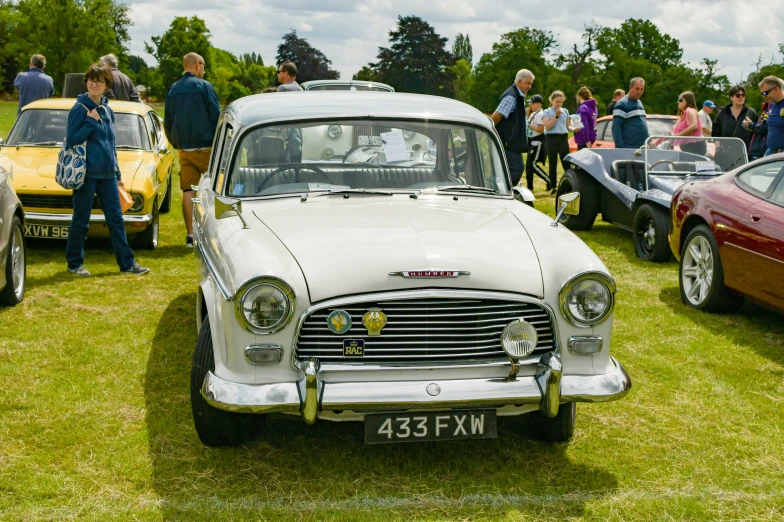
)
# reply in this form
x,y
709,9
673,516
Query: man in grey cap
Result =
x,y
704,115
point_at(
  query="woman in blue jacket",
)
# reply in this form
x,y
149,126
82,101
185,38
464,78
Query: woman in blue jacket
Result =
x,y
92,121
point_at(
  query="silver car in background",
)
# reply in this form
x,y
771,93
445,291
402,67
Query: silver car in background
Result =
x,y
13,269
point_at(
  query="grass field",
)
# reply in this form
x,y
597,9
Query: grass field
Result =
x,y
95,420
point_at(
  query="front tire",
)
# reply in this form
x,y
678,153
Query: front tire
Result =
x,y
215,427
650,228
579,181
701,275
166,203
148,238
15,266
556,429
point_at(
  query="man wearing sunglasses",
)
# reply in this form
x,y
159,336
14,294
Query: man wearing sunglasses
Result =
x,y
729,123
287,77
771,88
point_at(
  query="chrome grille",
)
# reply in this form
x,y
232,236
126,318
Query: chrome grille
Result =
x,y
425,330
62,202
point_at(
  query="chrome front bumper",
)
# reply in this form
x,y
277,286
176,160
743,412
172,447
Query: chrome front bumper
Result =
x,y
42,218
310,394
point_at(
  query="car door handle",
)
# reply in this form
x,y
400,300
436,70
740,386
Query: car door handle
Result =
x,y
756,218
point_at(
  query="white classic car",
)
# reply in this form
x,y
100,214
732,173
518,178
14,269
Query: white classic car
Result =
x,y
406,289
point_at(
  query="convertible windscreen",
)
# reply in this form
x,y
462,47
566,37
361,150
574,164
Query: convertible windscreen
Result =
x,y
46,127
365,154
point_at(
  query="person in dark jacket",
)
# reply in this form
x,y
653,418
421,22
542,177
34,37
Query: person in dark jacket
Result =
x,y
92,121
34,84
191,116
617,95
122,88
729,120
511,123
759,140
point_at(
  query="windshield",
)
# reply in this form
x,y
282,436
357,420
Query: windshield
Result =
x,y
366,154
660,127
693,155
46,127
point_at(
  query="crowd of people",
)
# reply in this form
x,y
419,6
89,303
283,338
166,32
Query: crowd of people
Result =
x,y
526,127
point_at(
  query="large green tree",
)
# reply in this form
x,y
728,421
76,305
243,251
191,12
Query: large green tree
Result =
x,y
462,48
183,36
524,48
311,63
417,59
72,34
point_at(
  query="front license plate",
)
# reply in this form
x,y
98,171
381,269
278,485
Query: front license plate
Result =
x,y
50,231
441,425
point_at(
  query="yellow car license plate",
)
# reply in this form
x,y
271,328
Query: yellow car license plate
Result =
x,y
49,231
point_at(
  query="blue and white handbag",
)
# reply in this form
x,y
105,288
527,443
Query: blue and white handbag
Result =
x,y
71,165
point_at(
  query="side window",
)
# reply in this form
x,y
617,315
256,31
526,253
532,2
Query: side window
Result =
x,y
758,179
216,149
601,127
778,193
152,130
223,161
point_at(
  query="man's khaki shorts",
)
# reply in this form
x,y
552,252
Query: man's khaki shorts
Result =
x,y
193,163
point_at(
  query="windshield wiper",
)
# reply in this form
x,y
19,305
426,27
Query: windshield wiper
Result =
x,y
327,192
37,143
472,188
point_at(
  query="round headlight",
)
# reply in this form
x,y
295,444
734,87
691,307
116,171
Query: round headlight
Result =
x,y
138,203
265,307
519,339
588,300
334,131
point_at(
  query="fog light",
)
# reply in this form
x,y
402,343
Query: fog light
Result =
x,y
519,339
265,354
584,345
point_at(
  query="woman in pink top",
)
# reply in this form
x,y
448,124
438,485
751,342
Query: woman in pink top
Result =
x,y
689,124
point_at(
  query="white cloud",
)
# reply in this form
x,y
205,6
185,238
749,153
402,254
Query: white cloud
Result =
x,y
349,32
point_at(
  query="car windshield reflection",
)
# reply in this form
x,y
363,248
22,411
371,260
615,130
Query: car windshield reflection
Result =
x,y
365,154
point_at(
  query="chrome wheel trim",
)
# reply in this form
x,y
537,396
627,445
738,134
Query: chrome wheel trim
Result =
x,y
18,262
697,270
647,232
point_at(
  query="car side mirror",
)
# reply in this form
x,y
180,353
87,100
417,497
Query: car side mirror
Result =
x,y
162,149
229,207
568,204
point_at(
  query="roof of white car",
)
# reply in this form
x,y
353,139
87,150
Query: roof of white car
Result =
x,y
312,105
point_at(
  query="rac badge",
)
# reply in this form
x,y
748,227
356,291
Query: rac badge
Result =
x,y
374,320
339,322
353,347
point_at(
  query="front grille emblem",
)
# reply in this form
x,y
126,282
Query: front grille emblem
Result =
x,y
339,322
374,320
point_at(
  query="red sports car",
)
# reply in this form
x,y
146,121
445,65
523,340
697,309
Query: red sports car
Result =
x,y
728,234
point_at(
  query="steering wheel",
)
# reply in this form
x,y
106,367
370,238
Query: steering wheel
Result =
x,y
297,168
352,150
662,161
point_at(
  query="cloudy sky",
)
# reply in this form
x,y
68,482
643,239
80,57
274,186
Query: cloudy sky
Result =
x,y
349,32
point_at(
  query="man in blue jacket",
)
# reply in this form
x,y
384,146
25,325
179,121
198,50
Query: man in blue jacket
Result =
x,y
34,84
192,111
630,124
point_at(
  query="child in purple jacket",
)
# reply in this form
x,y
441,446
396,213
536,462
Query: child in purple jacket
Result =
x,y
586,136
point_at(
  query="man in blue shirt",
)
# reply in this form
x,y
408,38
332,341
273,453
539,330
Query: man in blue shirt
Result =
x,y
34,84
190,120
511,123
771,87
630,124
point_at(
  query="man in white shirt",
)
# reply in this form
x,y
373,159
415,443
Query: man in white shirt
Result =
x,y
704,115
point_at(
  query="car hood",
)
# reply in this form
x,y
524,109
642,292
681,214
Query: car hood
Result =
x,y
34,167
350,246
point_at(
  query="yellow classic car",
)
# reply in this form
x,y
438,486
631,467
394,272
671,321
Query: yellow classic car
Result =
x,y
142,151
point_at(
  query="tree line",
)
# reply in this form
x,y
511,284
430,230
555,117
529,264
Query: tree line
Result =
x,y
72,34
